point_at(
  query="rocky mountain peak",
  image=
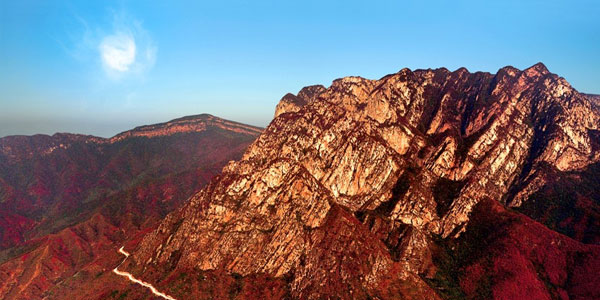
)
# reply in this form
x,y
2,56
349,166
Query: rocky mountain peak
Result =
x,y
310,92
292,103
348,187
539,68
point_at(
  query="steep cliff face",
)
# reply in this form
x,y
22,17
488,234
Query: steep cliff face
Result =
x,y
293,103
350,188
67,202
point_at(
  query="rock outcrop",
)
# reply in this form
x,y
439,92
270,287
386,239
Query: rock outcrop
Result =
x,y
348,190
293,103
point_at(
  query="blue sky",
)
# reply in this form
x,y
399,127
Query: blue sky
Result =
x,y
101,67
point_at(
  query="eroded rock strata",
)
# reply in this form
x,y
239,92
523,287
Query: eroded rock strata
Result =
x,y
352,190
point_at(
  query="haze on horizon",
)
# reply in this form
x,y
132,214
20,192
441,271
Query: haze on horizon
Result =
x,y
104,67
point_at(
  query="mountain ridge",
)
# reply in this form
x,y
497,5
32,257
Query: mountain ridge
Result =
x,y
192,123
186,124
68,201
378,170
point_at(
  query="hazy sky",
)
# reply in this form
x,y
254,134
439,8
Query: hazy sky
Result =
x,y
103,67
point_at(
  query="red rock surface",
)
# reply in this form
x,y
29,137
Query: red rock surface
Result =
x,y
352,191
68,202
424,184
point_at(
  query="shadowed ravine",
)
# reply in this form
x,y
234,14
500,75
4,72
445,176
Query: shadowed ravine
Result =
x,y
135,280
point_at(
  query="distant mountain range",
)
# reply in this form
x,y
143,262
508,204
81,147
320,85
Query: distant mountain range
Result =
x,y
425,184
67,201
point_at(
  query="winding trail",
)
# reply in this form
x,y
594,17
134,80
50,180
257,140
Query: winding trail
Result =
x,y
135,280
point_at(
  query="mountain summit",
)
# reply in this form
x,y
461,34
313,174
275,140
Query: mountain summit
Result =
x,y
373,188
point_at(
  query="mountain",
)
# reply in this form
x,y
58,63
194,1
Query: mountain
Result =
x,y
424,184
68,202
594,97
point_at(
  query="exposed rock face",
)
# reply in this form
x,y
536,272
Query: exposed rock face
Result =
x,y
293,103
348,188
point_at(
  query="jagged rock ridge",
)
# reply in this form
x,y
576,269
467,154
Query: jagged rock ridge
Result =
x,y
348,189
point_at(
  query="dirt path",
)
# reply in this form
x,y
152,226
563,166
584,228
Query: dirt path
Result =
x,y
135,280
